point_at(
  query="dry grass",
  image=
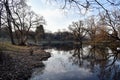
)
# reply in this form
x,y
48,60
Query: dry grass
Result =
x,y
6,46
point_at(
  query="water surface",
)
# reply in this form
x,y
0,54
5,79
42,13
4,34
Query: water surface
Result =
x,y
78,64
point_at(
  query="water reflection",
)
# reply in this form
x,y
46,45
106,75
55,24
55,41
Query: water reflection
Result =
x,y
81,63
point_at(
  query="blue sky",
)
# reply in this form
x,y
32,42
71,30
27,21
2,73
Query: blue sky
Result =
x,y
56,18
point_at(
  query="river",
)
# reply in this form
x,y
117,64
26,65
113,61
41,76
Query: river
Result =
x,y
79,64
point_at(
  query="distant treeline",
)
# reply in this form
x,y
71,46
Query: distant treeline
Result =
x,y
57,36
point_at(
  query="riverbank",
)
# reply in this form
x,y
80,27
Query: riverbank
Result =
x,y
17,63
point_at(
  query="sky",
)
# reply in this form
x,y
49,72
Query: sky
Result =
x,y
56,18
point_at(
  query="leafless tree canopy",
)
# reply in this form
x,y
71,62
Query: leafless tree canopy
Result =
x,y
18,17
89,3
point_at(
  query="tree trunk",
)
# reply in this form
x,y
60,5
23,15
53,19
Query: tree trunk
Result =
x,y
9,21
22,43
0,18
22,40
0,23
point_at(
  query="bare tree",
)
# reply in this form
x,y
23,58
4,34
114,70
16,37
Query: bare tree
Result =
x,y
87,4
1,8
9,19
78,31
24,19
97,6
92,27
18,17
111,21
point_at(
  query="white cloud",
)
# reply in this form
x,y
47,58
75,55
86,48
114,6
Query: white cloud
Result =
x,y
55,18
51,13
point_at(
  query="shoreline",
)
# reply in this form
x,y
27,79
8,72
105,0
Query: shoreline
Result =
x,y
20,65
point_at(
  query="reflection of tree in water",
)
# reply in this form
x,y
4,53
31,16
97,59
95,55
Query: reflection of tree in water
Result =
x,y
99,61
59,47
77,56
112,69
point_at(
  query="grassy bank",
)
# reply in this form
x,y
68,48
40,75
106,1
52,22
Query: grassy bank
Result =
x,y
17,63
7,46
